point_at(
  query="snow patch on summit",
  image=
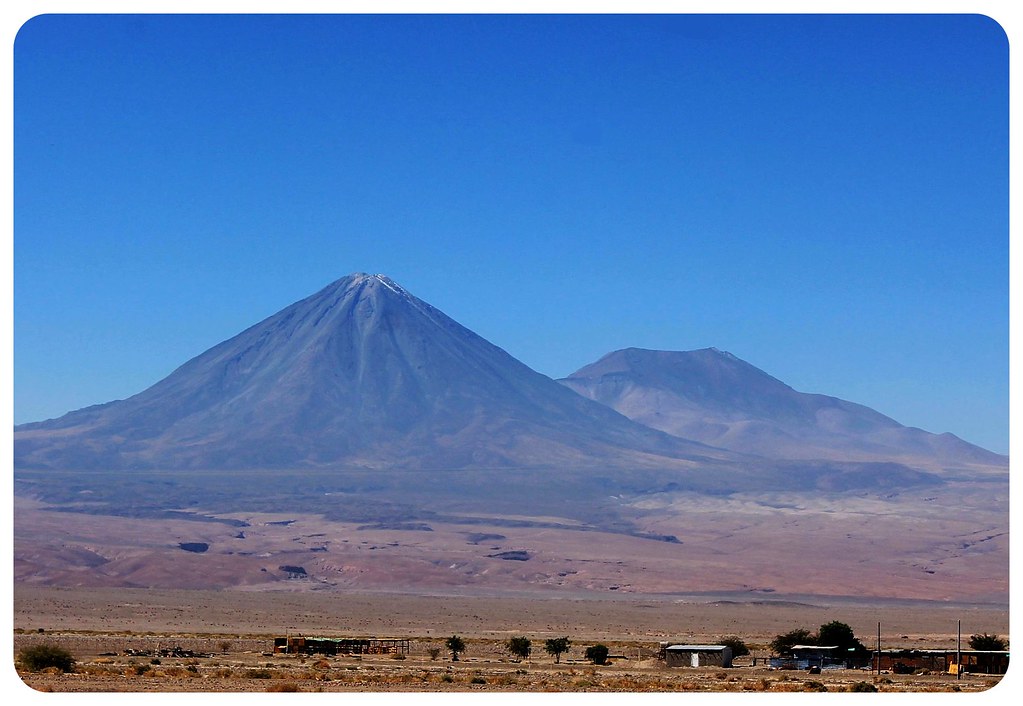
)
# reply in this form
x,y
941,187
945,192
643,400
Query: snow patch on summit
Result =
x,y
394,287
417,303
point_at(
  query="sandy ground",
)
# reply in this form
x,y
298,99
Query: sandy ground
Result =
x,y
237,627
651,618
247,672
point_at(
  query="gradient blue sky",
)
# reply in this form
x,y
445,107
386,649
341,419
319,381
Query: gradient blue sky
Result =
x,y
826,197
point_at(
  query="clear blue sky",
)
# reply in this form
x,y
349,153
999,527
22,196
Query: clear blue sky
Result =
x,y
825,197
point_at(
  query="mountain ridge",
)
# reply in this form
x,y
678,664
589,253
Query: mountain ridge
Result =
x,y
717,398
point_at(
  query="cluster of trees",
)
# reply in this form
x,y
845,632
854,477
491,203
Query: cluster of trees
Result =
x,y
841,636
522,647
991,643
830,634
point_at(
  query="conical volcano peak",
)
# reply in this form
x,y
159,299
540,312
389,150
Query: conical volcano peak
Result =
x,y
363,278
367,284
361,288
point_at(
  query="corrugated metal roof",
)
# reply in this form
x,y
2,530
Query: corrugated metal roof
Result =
x,y
814,647
694,648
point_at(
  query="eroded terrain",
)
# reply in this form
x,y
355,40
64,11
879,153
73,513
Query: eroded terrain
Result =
x,y
944,543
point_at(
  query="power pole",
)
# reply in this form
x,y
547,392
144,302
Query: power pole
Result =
x,y
879,647
959,649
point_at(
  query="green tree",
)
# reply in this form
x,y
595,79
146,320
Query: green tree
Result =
x,y
839,635
739,647
782,644
39,657
556,646
988,642
597,654
455,645
519,646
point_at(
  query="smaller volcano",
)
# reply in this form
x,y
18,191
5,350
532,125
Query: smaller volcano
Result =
x,y
712,396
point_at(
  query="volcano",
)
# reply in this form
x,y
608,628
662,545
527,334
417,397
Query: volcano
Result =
x,y
362,439
716,398
361,374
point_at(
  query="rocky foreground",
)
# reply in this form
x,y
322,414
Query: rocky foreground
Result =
x,y
248,665
226,641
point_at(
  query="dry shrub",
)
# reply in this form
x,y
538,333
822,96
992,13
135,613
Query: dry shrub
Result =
x,y
721,675
258,674
223,673
862,687
285,687
624,683
40,657
763,685
97,669
789,686
321,664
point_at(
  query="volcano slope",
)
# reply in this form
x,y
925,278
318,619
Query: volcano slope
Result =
x,y
714,397
361,439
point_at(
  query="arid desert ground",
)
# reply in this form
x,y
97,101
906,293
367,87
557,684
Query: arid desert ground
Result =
x,y
236,628
226,583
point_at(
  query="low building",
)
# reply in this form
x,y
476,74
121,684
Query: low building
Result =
x,y
822,657
905,661
698,656
337,646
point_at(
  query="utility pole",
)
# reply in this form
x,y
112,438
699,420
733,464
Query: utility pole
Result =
x,y
959,649
879,647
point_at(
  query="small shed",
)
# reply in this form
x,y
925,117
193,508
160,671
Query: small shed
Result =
x,y
698,656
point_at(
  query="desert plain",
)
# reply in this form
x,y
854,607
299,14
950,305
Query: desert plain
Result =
x,y
234,632
224,582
